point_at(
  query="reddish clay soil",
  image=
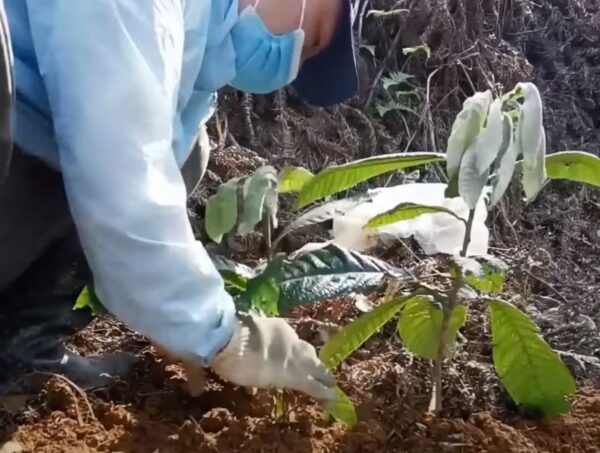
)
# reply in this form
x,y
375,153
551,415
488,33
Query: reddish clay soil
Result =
x,y
151,413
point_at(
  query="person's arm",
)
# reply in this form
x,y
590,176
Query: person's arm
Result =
x,y
111,69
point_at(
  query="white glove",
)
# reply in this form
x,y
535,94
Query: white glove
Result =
x,y
267,353
263,353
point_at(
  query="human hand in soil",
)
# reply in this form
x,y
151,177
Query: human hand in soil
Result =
x,y
267,353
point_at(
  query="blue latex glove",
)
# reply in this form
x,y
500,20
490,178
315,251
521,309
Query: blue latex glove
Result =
x,y
115,75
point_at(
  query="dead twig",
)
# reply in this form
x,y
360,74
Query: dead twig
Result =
x,y
82,394
548,285
393,47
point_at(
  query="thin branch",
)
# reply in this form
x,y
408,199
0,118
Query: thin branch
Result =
x,y
548,285
393,47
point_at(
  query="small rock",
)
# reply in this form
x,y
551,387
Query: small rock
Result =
x,y
12,447
362,303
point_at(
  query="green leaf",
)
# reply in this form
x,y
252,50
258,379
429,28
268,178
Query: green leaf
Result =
x,y
352,336
262,291
512,98
322,213
391,106
342,409
575,166
487,274
234,283
341,177
256,194
88,298
407,211
292,179
424,47
395,79
235,275
221,210
332,271
420,327
465,129
531,371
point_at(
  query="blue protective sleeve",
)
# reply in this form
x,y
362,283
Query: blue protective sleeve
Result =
x,y
111,69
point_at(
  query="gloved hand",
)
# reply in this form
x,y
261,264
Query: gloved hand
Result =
x,y
267,353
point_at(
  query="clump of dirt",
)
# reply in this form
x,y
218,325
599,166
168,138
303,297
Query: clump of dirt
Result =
x,y
481,432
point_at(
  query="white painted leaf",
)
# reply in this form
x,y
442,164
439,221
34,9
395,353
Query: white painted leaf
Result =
x,y
424,47
465,129
470,181
532,123
490,139
258,198
534,176
221,210
505,165
507,136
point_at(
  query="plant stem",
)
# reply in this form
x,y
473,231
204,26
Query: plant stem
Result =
x,y
435,404
448,304
282,407
267,233
467,238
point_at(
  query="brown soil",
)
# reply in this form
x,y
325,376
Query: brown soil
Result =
x,y
150,412
552,248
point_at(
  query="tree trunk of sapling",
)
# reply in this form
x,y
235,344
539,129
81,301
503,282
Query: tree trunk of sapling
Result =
x,y
435,404
468,228
266,223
